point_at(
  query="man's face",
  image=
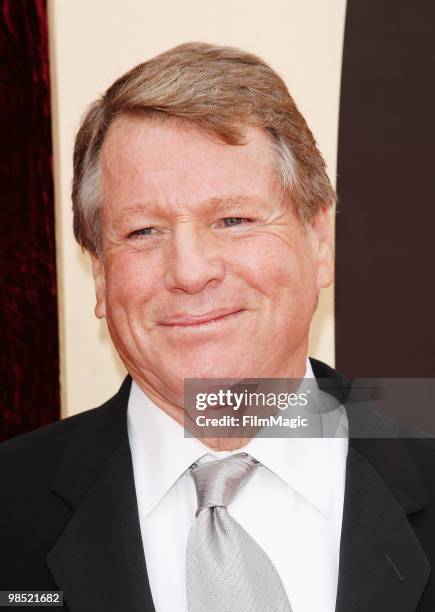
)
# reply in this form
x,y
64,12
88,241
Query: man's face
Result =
x,y
206,271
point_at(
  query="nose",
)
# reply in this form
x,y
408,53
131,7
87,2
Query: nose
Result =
x,y
194,259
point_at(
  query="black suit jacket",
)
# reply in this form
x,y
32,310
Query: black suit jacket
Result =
x,y
69,518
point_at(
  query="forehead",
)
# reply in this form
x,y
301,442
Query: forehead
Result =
x,y
176,162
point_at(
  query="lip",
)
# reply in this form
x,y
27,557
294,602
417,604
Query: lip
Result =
x,y
188,320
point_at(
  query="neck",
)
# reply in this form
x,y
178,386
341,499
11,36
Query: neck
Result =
x,y
177,412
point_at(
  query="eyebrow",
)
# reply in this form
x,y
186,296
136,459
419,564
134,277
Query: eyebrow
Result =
x,y
221,203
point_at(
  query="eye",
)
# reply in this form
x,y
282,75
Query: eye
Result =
x,y
145,231
230,221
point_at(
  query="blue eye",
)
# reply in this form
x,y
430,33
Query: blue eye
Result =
x,y
146,231
230,221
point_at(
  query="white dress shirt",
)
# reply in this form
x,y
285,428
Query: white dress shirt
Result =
x,y
292,505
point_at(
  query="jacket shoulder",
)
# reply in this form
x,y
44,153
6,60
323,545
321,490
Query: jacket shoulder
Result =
x,y
27,454
422,449
24,457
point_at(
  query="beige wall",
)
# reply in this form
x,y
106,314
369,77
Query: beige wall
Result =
x,y
95,41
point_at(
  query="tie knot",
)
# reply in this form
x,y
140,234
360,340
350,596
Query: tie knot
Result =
x,y
217,482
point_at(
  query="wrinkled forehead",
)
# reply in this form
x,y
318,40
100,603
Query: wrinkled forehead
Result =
x,y
129,134
177,162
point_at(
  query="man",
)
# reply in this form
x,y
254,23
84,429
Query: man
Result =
x,y
202,198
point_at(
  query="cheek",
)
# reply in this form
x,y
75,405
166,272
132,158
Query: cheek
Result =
x,y
130,282
273,267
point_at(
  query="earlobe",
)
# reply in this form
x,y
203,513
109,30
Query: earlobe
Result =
x,y
100,287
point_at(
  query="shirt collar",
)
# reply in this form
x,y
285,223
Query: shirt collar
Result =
x,y
161,455
160,452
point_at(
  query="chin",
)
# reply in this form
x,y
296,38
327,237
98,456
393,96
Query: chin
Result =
x,y
219,368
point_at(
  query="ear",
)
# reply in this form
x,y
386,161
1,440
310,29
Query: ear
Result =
x,y
100,286
321,230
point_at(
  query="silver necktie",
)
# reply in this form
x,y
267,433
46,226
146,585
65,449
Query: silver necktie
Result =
x,y
226,570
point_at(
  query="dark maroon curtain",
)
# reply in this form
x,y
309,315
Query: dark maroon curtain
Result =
x,y
29,365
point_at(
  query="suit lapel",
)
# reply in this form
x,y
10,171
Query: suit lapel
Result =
x,y
382,565
98,560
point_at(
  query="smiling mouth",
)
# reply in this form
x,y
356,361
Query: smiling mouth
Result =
x,y
196,321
